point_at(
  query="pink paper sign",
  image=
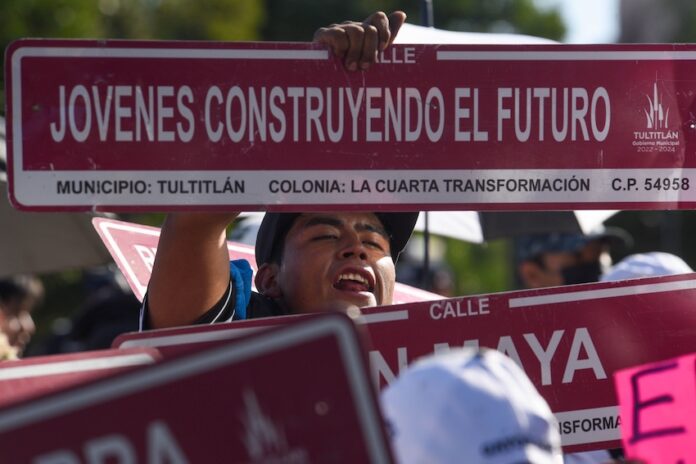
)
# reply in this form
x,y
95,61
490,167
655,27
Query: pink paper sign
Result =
x,y
658,409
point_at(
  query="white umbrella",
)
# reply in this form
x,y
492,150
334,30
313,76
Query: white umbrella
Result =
x,y
411,34
474,227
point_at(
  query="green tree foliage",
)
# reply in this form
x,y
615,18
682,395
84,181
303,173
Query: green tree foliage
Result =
x,y
480,268
298,19
129,19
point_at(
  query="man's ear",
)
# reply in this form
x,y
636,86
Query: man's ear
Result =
x,y
530,274
266,280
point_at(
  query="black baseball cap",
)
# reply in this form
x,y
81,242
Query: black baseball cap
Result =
x,y
531,246
275,226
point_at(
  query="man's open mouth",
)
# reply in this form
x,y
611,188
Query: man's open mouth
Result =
x,y
353,282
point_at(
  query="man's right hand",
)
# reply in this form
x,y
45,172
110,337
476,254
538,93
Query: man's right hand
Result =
x,y
358,44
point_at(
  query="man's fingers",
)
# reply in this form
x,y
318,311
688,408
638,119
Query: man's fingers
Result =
x,y
355,33
357,44
380,22
334,37
396,20
369,49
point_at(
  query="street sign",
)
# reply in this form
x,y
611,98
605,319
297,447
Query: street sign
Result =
x,y
40,375
569,340
297,394
127,125
133,247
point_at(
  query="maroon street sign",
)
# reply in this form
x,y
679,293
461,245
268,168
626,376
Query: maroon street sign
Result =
x,y
40,375
297,394
181,125
133,247
569,340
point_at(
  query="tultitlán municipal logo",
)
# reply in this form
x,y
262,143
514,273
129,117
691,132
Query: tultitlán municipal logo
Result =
x,y
265,440
659,134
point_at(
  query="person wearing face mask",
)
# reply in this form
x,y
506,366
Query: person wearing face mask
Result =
x,y
559,258
553,259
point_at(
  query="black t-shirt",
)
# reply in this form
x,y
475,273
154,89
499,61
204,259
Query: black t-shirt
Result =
x,y
224,311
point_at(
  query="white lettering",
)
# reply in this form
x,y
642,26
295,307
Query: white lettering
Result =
x,y
541,93
372,113
413,97
581,340
111,448
147,254
579,97
314,112
544,355
380,369
278,129
461,113
162,447
601,93
216,134
104,115
434,94
392,114
295,93
354,104
145,112
523,134
121,112
503,113
164,112
58,132
80,92
185,93
235,93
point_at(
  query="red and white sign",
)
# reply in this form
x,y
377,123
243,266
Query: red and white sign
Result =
x,y
569,340
178,125
297,394
133,247
31,377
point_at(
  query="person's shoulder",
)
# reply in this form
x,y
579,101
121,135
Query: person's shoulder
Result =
x,y
262,306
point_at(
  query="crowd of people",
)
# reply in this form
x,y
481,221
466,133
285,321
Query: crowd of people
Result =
x,y
466,406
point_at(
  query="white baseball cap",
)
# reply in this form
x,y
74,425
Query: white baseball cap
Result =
x,y
469,406
646,265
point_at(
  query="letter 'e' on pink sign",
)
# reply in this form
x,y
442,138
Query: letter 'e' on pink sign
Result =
x,y
657,403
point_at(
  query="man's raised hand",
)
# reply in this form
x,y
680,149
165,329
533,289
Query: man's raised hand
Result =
x,y
358,43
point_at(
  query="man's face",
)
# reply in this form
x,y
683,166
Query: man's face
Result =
x,y
16,322
554,263
565,268
334,261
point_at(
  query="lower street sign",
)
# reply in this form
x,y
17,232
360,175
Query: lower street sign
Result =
x,y
295,394
569,340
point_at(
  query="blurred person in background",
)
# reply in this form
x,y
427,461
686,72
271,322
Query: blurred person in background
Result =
x,y
554,259
109,309
19,295
561,258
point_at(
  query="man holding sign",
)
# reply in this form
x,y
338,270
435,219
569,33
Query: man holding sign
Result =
x,y
307,262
